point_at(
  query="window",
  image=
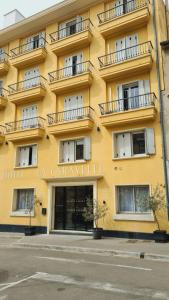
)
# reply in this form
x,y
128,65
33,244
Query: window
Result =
x,y
70,27
130,144
133,96
24,199
130,197
27,156
75,150
138,143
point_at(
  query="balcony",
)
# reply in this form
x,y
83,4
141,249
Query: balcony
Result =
x,y
24,130
3,98
75,120
132,110
127,62
29,54
4,65
74,77
27,91
65,41
124,18
2,134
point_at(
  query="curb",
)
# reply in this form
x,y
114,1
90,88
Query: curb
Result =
x,y
107,252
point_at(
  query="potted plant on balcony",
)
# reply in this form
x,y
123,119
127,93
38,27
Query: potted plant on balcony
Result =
x,y
31,230
155,202
94,212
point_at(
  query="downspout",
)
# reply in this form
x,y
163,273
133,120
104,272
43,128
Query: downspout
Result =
x,y
161,105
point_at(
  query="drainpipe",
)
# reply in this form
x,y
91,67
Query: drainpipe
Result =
x,y
161,104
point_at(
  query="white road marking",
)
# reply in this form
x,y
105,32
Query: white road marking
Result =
x,y
9,285
76,261
106,286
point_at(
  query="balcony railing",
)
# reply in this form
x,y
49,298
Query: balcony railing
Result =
x,y
125,54
70,71
3,57
130,103
70,30
37,81
2,130
30,123
121,10
3,92
28,47
69,115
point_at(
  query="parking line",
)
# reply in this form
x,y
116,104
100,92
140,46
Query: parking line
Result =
x,y
9,285
103,286
78,261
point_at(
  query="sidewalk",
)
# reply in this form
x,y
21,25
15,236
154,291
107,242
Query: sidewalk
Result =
x,y
74,243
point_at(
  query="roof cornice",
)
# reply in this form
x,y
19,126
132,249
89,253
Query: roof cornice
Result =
x,y
40,20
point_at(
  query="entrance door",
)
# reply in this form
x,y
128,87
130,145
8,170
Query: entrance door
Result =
x,y
70,202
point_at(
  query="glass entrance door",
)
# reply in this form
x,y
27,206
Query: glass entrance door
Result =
x,y
70,202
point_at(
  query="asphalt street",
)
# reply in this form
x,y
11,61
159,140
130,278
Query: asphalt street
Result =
x,y
49,274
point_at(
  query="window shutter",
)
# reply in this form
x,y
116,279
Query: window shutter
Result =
x,y
68,66
144,87
42,39
150,141
118,151
29,43
65,152
87,148
62,30
127,144
119,105
34,155
79,24
21,157
71,147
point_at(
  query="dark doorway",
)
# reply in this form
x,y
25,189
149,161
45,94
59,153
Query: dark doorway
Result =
x,y
70,202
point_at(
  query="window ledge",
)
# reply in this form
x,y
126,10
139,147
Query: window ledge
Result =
x,y
132,157
72,163
134,217
26,167
21,214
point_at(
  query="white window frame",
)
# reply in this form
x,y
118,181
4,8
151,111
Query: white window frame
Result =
x,y
135,216
87,141
16,166
132,131
20,213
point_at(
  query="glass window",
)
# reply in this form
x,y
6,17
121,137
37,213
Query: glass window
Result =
x,y
130,197
128,144
138,139
24,199
79,149
27,156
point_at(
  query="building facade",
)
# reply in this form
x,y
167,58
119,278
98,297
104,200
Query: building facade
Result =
x,y
80,115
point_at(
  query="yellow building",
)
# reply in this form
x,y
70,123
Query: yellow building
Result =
x,y
80,115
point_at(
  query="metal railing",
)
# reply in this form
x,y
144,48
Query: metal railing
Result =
x,y
130,103
70,71
31,123
66,31
28,47
2,130
37,81
125,54
69,115
3,57
120,10
3,92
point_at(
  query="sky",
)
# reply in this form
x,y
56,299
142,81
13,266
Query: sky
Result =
x,y
26,7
